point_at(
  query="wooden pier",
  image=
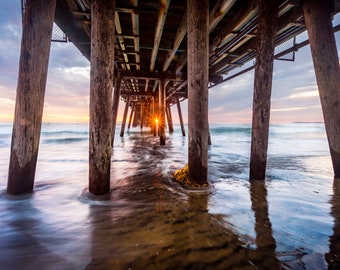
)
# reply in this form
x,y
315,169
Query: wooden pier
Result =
x,y
155,54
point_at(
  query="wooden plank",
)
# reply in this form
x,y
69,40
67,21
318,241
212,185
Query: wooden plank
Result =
x,y
198,50
101,84
148,75
180,34
218,12
268,17
163,10
326,65
35,48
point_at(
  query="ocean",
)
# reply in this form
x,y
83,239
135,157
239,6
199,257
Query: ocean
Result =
x,y
148,221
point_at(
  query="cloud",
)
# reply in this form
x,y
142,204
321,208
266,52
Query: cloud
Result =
x,y
294,91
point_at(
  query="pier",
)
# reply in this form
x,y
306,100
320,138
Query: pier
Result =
x,y
155,54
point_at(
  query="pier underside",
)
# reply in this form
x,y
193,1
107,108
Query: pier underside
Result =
x,y
156,54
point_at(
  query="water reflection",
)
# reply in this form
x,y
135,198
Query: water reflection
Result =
x,y
333,257
154,223
265,241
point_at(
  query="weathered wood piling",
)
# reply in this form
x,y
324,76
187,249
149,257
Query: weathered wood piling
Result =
x,y
101,84
161,112
266,32
198,49
34,56
327,71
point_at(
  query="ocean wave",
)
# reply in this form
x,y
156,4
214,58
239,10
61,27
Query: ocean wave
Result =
x,y
63,140
64,132
222,130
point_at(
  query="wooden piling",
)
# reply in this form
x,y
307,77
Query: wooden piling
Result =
x,y
101,84
127,103
198,48
180,116
161,120
141,115
35,48
268,16
169,118
115,104
326,65
154,113
131,114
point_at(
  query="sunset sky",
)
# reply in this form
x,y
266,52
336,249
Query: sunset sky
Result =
x,y
294,93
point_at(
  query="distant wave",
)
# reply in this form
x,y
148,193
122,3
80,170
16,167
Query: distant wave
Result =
x,y
60,132
222,130
63,140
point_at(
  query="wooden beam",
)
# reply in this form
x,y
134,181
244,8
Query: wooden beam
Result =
x,y
218,12
115,104
135,30
163,10
101,84
250,45
243,14
180,34
268,17
198,50
326,65
34,56
148,75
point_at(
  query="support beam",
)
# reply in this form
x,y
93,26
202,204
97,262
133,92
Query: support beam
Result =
x,y
122,130
268,16
326,65
198,50
180,116
101,84
161,120
115,105
131,114
169,118
141,115
163,10
35,49
154,113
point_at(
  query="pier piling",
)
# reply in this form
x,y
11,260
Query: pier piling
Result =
x,y
268,16
162,107
101,84
115,105
34,56
198,49
327,71
126,109
180,116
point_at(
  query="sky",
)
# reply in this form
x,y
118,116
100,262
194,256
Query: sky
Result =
x,y
294,93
